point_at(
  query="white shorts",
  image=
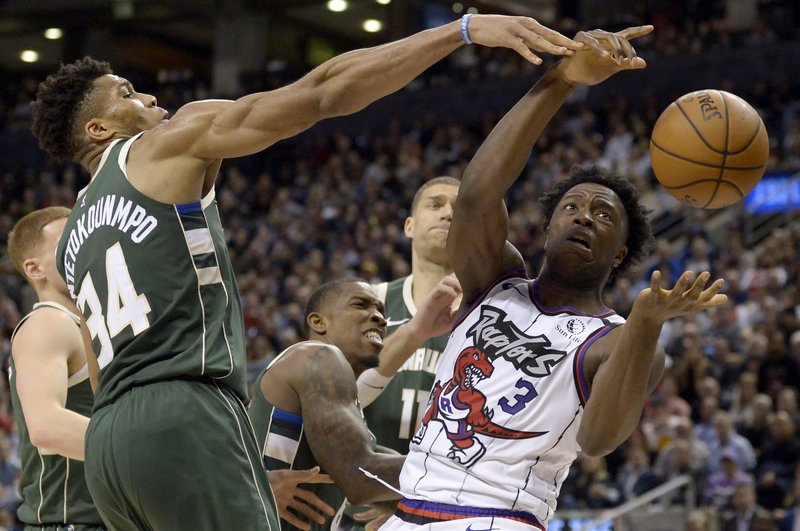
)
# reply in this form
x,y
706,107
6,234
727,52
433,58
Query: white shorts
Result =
x,y
462,524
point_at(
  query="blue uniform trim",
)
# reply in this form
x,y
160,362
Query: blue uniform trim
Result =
x,y
285,416
189,208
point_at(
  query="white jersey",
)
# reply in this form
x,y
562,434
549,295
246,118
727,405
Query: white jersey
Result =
x,y
501,426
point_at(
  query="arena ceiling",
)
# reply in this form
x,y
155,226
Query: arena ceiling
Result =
x,y
182,31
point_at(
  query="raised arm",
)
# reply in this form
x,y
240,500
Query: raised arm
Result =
x,y
41,351
434,317
477,242
348,83
335,428
625,366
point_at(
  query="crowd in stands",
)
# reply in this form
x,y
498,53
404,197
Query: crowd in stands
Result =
x,y
326,206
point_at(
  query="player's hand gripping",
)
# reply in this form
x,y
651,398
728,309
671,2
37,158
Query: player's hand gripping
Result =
x,y
655,305
522,34
604,54
289,495
435,315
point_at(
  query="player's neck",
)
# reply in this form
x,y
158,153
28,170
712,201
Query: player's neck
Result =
x,y
53,295
426,275
554,293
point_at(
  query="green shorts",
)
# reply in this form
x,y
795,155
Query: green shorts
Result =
x,y
174,455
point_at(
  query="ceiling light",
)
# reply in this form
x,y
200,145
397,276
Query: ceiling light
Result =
x,y
372,26
29,56
53,33
472,11
337,6
384,2
458,7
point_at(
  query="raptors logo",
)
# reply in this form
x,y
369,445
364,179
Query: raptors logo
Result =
x,y
462,411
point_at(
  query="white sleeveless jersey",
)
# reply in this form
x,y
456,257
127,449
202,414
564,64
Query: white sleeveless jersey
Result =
x,y
501,425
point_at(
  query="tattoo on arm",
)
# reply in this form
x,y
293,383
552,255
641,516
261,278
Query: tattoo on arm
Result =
x,y
335,428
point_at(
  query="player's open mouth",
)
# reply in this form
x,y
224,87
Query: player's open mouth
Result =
x,y
580,241
374,335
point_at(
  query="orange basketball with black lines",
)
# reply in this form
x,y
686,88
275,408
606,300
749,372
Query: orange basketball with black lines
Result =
x,y
709,148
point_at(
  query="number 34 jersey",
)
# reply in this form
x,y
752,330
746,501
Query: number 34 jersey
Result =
x,y
501,424
154,283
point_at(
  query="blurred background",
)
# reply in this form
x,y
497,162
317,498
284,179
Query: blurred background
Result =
x,y
332,202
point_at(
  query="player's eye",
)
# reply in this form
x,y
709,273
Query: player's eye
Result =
x,y
570,206
604,214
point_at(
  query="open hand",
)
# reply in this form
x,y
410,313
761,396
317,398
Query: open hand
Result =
x,y
288,495
522,34
689,295
603,55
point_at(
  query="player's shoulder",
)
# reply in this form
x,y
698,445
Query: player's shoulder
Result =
x,y
312,356
44,328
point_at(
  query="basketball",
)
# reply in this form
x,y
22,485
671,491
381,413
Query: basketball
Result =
x,y
709,148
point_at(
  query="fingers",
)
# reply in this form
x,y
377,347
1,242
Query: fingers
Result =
x,y
698,286
366,516
548,40
377,523
317,478
655,281
313,505
635,32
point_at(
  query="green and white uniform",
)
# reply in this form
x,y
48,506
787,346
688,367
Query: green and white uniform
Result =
x,y
395,415
169,445
284,445
53,487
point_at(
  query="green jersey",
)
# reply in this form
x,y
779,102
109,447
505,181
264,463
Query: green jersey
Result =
x,y
283,445
53,487
395,415
155,284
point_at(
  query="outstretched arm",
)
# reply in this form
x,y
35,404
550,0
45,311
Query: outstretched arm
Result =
x,y
41,352
335,428
621,380
477,239
345,84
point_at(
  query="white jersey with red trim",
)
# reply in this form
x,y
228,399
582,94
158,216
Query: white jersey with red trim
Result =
x,y
502,421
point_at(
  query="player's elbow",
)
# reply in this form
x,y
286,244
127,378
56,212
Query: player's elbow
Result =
x,y
594,443
41,435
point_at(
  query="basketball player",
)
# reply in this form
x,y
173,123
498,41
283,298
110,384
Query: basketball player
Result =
x,y
49,383
537,370
144,255
305,409
394,394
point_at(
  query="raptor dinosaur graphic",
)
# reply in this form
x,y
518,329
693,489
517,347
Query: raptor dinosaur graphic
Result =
x,y
462,410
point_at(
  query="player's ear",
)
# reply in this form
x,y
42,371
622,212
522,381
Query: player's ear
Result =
x,y
623,252
408,227
316,322
32,269
97,131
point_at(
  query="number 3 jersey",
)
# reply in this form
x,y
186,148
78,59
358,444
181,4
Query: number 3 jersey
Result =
x,y
154,283
501,424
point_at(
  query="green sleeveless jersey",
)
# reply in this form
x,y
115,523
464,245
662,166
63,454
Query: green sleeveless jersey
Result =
x,y
283,445
395,415
155,284
53,487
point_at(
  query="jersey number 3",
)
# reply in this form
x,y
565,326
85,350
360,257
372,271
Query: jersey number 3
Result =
x,y
124,306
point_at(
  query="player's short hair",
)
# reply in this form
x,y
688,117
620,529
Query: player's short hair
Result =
x,y
321,296
444,179
64,100
640,234
25,238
